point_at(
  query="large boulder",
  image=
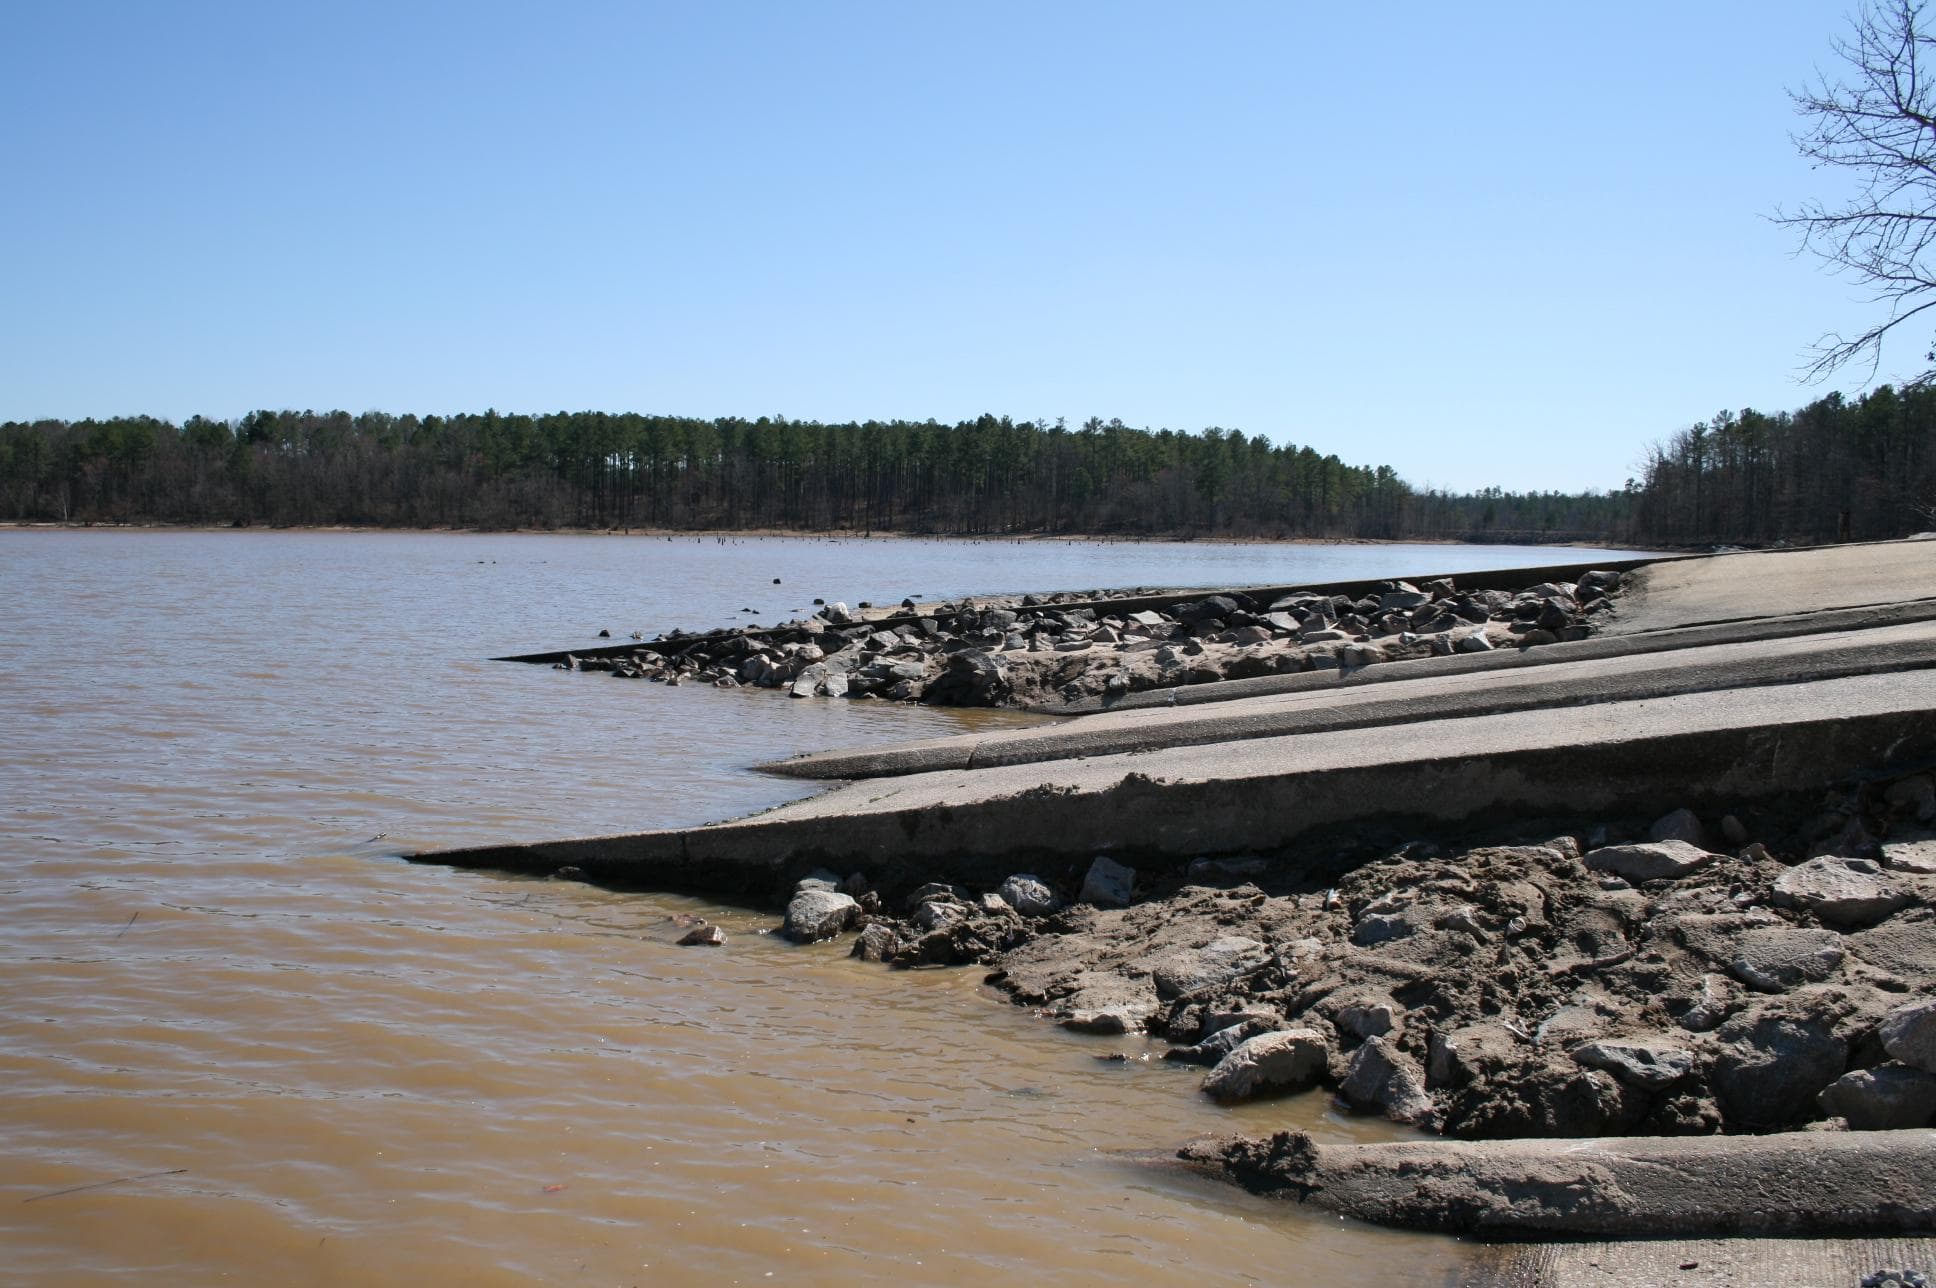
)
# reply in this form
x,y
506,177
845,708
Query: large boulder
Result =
x,y
1290,1060
819,914
1108,884
1645,1065
1192,970
1650,861
1909,1034
1842,892
1886,1098
1681,825
971,678
1771,1067
1218,606
1774,959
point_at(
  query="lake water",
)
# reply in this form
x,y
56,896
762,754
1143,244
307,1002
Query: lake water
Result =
x,y
319,1064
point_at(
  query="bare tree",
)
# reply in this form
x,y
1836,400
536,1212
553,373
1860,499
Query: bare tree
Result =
x,y
1879,121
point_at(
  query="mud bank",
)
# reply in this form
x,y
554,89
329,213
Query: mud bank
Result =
x,y
1768,969
1052,651
1609,1188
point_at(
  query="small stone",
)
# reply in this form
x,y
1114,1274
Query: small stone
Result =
x,y
1472,642
1290,1060
703,937
931,891
1908,1033
1842,892
1108,884
1734,831
1029,895
1367,1020
1649,861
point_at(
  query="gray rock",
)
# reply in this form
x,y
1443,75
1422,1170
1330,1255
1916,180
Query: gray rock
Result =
x,y
1650,861
939,914
818,879
1382,925
1383,1078
1775,958
971,678
1220,869
1681,825
1290,1060
1842,892
1887,1098
819,914
1909,1034
1150,621
1195,969
1915,854
1399,600
1914,795
1108,884
703,937
1356,655
1367,1019
1602,581
1772,1067
934,890
1029,895
808,682
876,943
1472,642
835,685
1647,1066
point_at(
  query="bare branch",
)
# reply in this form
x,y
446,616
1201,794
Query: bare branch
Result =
x,y
1879,123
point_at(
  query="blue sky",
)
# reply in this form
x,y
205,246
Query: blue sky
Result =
x,y
1486,244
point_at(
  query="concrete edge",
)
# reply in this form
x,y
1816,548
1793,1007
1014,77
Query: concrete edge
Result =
x,y
1161,824
1514,693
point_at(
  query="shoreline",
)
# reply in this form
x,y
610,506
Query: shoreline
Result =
x,y
831,535
1703,914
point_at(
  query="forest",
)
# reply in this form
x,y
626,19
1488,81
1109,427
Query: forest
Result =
x,y
1837,469
593,470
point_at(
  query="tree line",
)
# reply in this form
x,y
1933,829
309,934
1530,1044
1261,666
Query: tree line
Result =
x,y
986,476
1837,469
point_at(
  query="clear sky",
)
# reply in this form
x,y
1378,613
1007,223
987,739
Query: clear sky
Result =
x,y
1482,243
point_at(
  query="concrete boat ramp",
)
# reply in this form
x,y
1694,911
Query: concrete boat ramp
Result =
x,y
1720,679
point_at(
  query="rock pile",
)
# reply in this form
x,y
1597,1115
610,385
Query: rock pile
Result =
x,y
1033,651
1587,984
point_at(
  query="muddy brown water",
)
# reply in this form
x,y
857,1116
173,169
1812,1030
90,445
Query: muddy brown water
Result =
x,y
240,1041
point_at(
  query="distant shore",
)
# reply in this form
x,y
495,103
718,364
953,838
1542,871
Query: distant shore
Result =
x,y
838,534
